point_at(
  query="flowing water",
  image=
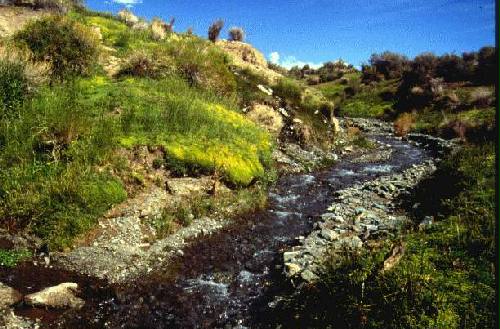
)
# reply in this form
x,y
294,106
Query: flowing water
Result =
x,y
220,280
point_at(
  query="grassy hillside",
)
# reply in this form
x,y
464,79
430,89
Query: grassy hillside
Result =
x,y
450,96
65,140
84,93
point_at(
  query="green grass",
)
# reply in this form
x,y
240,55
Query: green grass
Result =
x,y
48,157
446,277
334,90
53,149
198,206
10,258
193,127
434,121
369,103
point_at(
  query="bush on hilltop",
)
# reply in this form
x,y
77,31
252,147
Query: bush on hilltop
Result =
x,y
70,47
236,34
214,30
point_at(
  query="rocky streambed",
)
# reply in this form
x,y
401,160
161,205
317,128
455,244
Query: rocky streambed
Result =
x,y
359,214
223,278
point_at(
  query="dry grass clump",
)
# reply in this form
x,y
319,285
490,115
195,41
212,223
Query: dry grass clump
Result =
x,y
482,97
266,117
143,64
236,34
128,17
158,29
36,73
404,124
214,30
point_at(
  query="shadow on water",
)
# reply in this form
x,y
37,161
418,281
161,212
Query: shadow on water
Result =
x,y
222,279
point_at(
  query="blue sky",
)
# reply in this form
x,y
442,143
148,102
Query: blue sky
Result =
x,y
315,31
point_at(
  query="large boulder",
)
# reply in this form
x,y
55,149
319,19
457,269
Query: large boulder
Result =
x,y
60,296
247,57
159,29
13,19
243,52
266,117
9,296
128,17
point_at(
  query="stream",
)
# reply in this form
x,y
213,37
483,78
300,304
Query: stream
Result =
x,y
222,281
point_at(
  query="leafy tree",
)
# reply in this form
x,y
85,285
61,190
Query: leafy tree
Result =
x,y
390,64
487,69
451,68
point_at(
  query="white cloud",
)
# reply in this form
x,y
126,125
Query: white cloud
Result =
x,y
128,3
274,57
290,61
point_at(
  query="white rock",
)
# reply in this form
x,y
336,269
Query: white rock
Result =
x,y
289,255
9,296
60,296
283,112
265,90
292,269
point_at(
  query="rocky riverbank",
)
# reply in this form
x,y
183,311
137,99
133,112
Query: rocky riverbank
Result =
x,y
363,213
125,245
360,214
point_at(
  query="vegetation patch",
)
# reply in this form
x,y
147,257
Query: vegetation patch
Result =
x,y
371,101
10,258
446,277
70,47
231,203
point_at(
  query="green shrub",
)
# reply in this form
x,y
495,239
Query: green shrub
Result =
x,y
202,64
142,64
390,65
487,67
70,47
19,77
13,86
289,90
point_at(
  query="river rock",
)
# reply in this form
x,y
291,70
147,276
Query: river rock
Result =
x,y
60,296
290,255
329,235
9,320
9,296
351,242
327,216
188,185
292,269
359,210
309,276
